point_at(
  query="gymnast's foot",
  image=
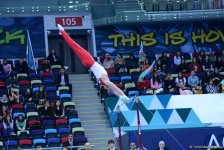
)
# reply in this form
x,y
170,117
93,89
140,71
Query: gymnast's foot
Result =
x,y
60,28
125,99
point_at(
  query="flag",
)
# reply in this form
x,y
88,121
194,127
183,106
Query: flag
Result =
x,y
222,82
29,54
144,73
141,49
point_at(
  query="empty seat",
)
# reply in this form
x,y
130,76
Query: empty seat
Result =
x,y
62,123
34,124
30,107
36,83
32,116
74,122
39,142
63,132
48,124
34,76
23,135
11,145
50,133
78,132
25,144
65,98
79,141
17,108
37,134
53,142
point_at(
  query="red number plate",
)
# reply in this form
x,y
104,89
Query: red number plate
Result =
x,y
69,21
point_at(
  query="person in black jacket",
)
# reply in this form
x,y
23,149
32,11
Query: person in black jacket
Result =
x,y
63,80
111,145
22,66
54,58
162,146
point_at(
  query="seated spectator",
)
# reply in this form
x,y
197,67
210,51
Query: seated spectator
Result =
x,y
46,110
87,146
143,85
159,67
108,62
216,77
211,88
41,96
119,63
177,58
1,68
201,56
145,65
21,124
58,110
11,80
156,83
7,67
63,80
183,67
193,81
4,101
162,146
4,112
70,141
207,65
54,58
205,80
111,145
22,67
195,66
13,96
45,64
219,64
164,58
169,85
131,62
133,146
8,126
28,96
181,85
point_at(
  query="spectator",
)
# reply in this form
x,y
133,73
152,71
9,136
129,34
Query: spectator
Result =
x,y
70,141
64,147
119,63
145,65
169,84
4,112
206,79
28,96
111,145
22,67
177,58
162,146
164,58
13,96
156,83
87,146
183,67
53,58
63,80
211,88
219,64
8,126
201,56
108,63
143,85
11,80
45,64
181,84
131,62
58,110
195,66
216,77
4,101
133,146
21,124
7,67
207,65
46,111
39,147
159,67
41,96
1,68
193,81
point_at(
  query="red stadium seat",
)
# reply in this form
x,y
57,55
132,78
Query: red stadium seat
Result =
x,y
2,84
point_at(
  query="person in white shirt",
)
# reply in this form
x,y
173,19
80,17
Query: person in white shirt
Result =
x,y
133,146
162,146
111,145
177,58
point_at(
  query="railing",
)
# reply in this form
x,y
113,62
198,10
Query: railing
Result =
x,y
59,148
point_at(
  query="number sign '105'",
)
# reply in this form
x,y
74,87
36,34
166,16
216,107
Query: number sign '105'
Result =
x,y
69,21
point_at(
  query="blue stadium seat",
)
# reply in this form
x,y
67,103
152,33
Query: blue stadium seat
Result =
x,y
53,142
39,142
63,132
74,122
50,133
11,144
